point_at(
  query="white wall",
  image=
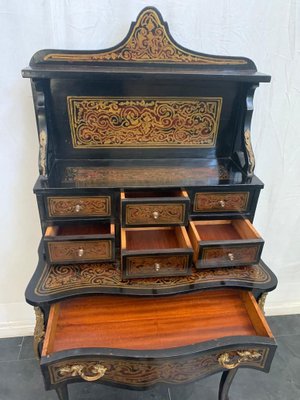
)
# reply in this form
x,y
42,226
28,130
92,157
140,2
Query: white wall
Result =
x,y
266,31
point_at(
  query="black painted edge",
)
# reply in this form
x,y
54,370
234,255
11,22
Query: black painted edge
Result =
x,y
35,299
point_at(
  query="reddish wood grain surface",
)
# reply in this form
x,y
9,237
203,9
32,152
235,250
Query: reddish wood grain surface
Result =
x,y
151,239
218,232
84,229
147,323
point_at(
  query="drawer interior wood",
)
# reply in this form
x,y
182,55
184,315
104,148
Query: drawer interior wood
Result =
x,y
152,323
127,194
79,229
155,238
225,230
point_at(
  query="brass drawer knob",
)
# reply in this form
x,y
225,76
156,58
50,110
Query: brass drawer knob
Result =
x,y
77,208
157,267
222,203
155,214
80,252
230,256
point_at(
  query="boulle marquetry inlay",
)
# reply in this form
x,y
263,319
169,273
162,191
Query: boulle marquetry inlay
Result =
x,y
137,214
64,278
149,42
69,250
240,253
142,265
142,373
206,201
79,206
143,122
144,176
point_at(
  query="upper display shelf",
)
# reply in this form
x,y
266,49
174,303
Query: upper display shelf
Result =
x,y
146,98
148,44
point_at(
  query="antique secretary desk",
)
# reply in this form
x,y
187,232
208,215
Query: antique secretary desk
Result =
x,y
149,266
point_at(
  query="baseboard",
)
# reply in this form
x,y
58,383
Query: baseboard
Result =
x,y
16,319
283,309
16,328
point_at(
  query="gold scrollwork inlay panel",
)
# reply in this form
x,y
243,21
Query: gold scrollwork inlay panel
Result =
x,y
148,122
207,201
240,253
139,214
99,206
64,278
146,176
142,265
142,373
80,250
148,42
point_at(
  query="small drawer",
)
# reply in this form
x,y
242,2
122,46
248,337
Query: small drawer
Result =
x,y
214,202
78,206
225,243
152,252
78,242
154,208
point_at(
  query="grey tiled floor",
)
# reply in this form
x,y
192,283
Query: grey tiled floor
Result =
x,y
20,378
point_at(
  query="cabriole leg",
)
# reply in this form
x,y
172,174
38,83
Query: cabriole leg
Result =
x,y
225,383
62,392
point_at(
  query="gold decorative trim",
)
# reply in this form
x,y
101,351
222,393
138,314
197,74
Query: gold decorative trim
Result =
x,y
39,330
220,201
233,359
98,122
262,301
73,206
156,213
141,373
43,153
250,153
87,371
148,42
66,278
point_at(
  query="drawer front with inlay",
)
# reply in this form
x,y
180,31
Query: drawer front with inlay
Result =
x,y
173,370
80,251
80,242
207,202
79,206
144,266
229,255
225,243
154,208
155,251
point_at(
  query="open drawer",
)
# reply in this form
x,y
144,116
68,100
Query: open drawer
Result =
x,y
121,339
225,243
79,242
154,207
157,251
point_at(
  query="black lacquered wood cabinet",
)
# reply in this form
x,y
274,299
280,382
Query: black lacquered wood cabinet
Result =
x,y
150,267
